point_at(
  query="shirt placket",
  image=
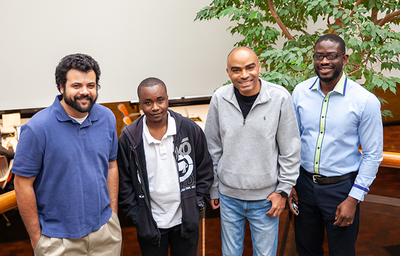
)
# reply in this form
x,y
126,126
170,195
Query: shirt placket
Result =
x,y
322,123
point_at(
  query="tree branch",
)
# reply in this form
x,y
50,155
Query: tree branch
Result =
x,y
374,16
388,17
353,72
357,4
305,32
279,21
394,19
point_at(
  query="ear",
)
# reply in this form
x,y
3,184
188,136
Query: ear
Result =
x,y
227,71
345,59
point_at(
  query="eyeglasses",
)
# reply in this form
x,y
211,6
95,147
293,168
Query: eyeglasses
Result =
x,y
330,56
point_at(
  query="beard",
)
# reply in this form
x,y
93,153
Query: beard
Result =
x,y
335,75
74,104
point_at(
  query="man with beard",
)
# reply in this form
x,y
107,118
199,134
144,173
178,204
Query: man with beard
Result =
x,y
335,116
66,171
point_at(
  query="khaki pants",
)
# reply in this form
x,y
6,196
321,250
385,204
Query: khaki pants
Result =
x,y
105,241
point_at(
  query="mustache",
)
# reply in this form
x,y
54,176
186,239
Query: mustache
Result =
x,y
325,65
79,97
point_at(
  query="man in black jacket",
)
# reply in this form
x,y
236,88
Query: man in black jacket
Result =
x,y
165,174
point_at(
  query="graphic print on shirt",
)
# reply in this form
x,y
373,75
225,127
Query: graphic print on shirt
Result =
x,y
185,165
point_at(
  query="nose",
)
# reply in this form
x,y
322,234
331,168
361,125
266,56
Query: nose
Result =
x,y
324,60
244,74
84,90
155,107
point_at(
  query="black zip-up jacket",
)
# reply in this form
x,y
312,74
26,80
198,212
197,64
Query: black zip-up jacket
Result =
x,y
195,178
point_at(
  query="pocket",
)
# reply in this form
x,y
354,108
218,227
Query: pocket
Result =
x,y
145,225
115,218
190,214
114,227
38,244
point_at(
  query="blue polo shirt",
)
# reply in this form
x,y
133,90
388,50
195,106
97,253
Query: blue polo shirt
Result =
x,y
333,126
70,162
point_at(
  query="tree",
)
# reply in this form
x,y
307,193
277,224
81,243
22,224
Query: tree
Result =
x,y
365,26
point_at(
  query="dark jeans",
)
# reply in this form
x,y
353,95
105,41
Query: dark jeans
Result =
x,y
317,207
171,238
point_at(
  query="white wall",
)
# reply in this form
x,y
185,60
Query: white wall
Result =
x,y
130,39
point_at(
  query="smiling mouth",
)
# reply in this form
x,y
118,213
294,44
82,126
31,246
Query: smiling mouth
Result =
x,y
325,69
246,83
84,101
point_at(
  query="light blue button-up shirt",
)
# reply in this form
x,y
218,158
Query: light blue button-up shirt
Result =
x,y
332,128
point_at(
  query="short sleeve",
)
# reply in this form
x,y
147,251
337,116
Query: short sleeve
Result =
x,y
28,157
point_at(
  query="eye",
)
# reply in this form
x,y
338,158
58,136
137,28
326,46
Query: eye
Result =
x,y
160,100
318,56
251,68
91,86
235,71
332,56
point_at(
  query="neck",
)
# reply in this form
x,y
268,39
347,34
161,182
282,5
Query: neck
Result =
x,y
329,86
157,130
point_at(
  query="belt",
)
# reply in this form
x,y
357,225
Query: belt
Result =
x,y
324,180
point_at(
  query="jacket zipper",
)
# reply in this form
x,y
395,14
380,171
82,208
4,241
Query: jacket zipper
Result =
x,y
143,190
176,154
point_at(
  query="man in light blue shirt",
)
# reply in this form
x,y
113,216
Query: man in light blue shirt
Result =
x,y
335,116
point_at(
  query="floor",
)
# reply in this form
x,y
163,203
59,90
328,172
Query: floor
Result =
x,y
379,233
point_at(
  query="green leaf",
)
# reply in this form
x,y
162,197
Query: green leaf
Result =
x,y
296,68
386,113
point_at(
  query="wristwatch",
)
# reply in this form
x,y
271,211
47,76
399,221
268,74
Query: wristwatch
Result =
x,y
283,194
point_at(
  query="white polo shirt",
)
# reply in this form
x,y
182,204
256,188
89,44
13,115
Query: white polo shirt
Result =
x,y
165,196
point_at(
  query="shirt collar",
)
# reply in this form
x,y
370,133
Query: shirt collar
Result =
x,y
339,88
171,130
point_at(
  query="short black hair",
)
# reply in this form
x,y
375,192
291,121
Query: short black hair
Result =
x,y
150,81
78,61
332,38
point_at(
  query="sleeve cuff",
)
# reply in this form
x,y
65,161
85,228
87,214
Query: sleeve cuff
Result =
x,y
214,193
358,192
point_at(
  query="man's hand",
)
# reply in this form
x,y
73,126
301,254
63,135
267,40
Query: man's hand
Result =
x,y
26,200
344,215
214,203
34,240
113,185
278,204
293,195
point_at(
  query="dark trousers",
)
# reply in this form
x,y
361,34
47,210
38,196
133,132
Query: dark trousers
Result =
x,y
317,207
172,238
